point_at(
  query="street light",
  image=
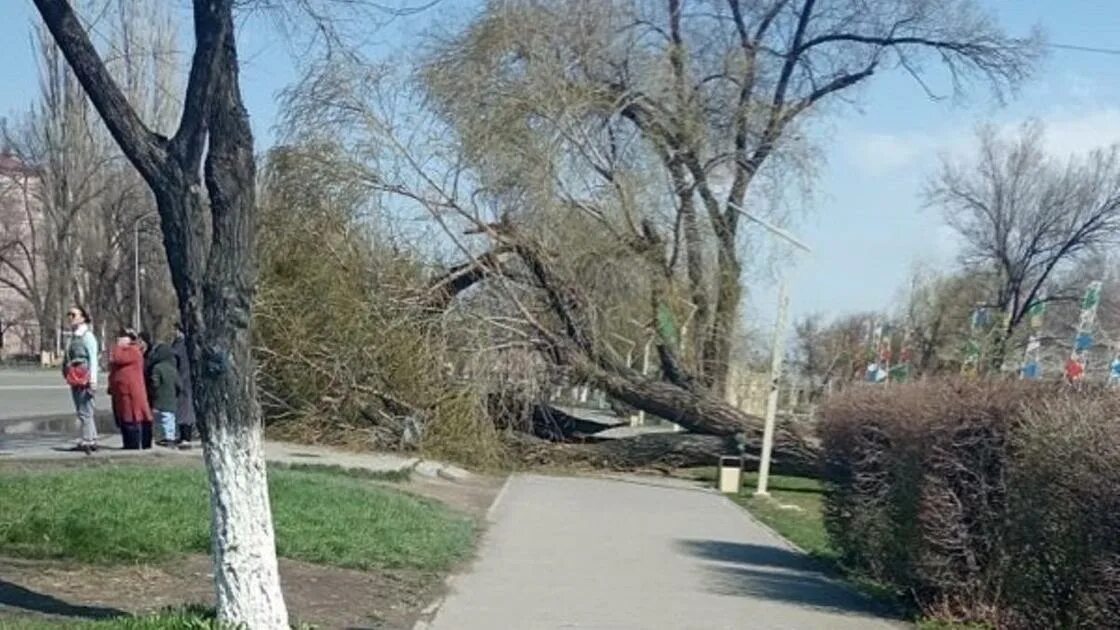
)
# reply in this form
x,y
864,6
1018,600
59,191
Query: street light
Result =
x,y
136,267
775,354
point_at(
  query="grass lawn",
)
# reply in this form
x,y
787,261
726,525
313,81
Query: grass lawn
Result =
x,y
793,509
183,619
136,514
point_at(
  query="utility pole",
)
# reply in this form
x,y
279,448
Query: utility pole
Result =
x,y
776,354
136,274
136,269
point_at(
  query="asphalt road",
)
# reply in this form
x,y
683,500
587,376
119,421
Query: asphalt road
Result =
x,y
620,555
36,393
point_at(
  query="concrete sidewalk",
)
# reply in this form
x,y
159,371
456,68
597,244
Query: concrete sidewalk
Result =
x,y
612,555
39,446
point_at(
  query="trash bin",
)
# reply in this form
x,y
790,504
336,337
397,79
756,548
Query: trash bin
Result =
x,y
730,474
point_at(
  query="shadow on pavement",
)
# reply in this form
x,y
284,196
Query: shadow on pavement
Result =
x,y
18,597
774,573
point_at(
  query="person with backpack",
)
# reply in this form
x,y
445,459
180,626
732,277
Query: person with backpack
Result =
x,y
129,392
163,390
79,368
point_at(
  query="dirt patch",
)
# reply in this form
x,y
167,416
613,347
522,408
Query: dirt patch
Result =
x,y
322,596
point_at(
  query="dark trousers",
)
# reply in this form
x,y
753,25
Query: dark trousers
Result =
x,y
136,436
185,432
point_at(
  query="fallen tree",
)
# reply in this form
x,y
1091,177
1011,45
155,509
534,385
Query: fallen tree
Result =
x,y
666,451
590,161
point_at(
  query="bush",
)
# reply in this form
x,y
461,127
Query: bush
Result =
x,y
996,502
349,352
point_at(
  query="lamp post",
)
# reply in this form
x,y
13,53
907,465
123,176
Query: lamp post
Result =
x,y
775,354
136,268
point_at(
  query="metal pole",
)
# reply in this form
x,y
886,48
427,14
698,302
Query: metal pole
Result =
x,y
776,354
645,371
136,272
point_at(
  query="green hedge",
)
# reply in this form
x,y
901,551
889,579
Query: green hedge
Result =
x,y
996,502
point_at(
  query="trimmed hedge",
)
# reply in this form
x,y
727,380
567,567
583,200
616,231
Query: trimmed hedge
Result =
x,y
996,502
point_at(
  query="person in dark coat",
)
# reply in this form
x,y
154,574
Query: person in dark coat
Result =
x,y
129,392
162,378
184,415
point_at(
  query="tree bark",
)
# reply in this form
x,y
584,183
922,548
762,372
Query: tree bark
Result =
x,y
696,411
721,333
247,578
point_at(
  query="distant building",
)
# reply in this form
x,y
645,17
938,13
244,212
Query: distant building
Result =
x,y
21,218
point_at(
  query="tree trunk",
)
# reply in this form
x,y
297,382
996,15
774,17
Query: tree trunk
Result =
x,y
695,410
246,576
214,269
700,411
675,450
721,333
247,579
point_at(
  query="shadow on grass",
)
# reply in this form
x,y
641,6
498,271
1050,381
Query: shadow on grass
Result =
x,y
15,596
777,574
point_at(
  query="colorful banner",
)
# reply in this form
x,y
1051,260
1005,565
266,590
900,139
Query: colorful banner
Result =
x,y
981,319
1032,356
1083,340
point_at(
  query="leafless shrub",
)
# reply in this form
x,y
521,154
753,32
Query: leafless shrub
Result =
x,y
985,501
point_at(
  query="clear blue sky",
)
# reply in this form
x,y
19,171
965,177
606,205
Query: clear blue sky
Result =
x,y
866,221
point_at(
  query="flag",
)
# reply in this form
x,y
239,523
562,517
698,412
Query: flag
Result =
x,y
1083,341
1092,296
1035,313
1032,368
1074,370
667,325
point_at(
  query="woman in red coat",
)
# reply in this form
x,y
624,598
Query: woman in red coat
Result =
x,y
129,392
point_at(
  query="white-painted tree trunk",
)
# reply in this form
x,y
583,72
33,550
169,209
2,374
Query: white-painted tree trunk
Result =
x,y
243,544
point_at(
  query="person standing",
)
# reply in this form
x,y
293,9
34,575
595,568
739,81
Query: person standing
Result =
x,y
184,415
79,368
129,392
163,390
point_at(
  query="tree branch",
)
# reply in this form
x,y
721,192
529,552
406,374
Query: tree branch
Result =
x,y
146,150
209,31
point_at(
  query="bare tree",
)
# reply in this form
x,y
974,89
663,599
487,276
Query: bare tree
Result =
x,y
203,180
712,92
829,356
936,309
1025,216
82,198
649,125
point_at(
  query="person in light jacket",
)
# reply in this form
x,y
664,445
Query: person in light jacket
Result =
x,y
184,415
79,368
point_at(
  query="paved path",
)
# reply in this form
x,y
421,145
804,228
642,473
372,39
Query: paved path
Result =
x,y
613,555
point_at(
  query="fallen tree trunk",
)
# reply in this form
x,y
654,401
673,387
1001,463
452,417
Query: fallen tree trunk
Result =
x,y
673,450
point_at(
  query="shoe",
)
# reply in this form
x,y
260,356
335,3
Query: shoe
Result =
x,y
166,443
185,445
